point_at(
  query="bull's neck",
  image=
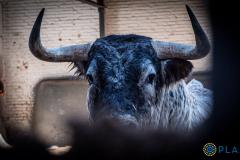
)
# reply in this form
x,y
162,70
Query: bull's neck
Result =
x,y
179,107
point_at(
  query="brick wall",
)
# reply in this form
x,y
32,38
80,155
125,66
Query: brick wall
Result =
x,y
165,20
1,65
0,30
0,42
65,22
71,21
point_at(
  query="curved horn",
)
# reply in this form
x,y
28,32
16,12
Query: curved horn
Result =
x,y
61,54
166,50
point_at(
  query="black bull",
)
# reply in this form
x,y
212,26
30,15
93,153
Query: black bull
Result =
x,y
137,80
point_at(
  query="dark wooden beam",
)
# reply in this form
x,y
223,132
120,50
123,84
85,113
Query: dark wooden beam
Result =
x,y
101,10
101,18
92,3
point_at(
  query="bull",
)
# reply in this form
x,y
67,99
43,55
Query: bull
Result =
x,y
136,80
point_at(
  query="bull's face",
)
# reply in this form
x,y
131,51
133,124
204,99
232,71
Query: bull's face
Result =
x,y
125,73
124,76
122,79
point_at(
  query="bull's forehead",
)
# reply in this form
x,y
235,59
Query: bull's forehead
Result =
x,y
121,44
120,57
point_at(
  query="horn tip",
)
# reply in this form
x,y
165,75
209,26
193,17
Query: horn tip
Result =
x,y
42,11
188,9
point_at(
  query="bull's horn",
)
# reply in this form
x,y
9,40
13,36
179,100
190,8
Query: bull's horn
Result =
x,y
61,54
166,50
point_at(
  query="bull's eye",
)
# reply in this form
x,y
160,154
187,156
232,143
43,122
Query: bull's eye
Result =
x,y
90,78
150,79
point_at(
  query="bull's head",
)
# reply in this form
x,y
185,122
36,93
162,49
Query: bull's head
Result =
x,y
126,72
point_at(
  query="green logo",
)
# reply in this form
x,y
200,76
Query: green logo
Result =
x,y
209,149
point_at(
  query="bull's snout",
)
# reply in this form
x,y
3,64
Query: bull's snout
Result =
x,y
122,120
126,120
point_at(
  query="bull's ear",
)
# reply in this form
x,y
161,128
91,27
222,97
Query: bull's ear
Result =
x,y
174,69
